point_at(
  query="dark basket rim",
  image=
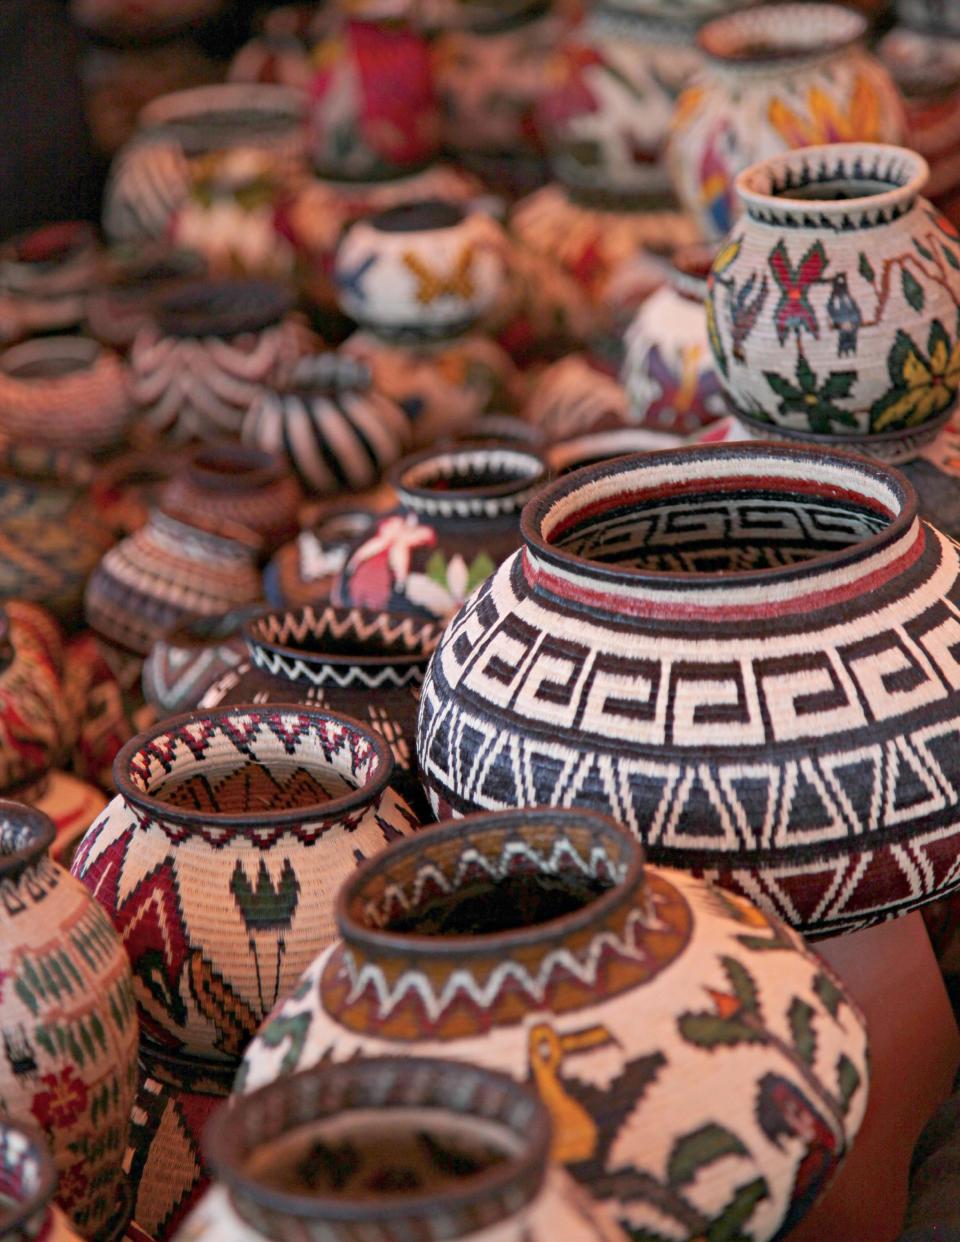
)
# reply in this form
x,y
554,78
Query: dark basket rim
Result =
x,y
225,1151
43,835
460,448
381,941
154,807
254,641
536,509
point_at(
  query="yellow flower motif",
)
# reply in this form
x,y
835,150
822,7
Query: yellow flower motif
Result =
x,y
925,386
826,121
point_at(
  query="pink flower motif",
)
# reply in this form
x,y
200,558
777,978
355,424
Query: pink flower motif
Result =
x,y
63,1101
384,561
72,1186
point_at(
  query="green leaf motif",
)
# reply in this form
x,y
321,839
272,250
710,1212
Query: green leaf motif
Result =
x,y
838,384
777,940
806,377
829,994
848,1080
900,350
86,1040
707,1030
436,568
695,1151
713,333
75,1050
938,337
783,388
923,251
865,268
265,907
302,989
480,571
294,1029
912,290
742,983
816,403
26,995
800,1017
951,258
728,1226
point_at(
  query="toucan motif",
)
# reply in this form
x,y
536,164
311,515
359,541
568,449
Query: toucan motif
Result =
x,y
575,1104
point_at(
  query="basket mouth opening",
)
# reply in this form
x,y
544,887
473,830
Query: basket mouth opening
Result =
x,y
202,632
225,463
145,275
387,1138
480,471
487,906
847,176
838,190
50,358
495,880
207,118
252,766
344,635
372,1154
222,308
781,32
26,835
51,243
712,513
432,213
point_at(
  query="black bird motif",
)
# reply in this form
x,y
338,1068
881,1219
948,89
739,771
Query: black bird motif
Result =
x,y
845,315
19,1053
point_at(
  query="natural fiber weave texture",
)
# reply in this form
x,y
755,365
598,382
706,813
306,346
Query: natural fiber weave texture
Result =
x,y
364,664
67,1020
168,572
33,717
699,1062
219,860
399,1148
746,654
163,1160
